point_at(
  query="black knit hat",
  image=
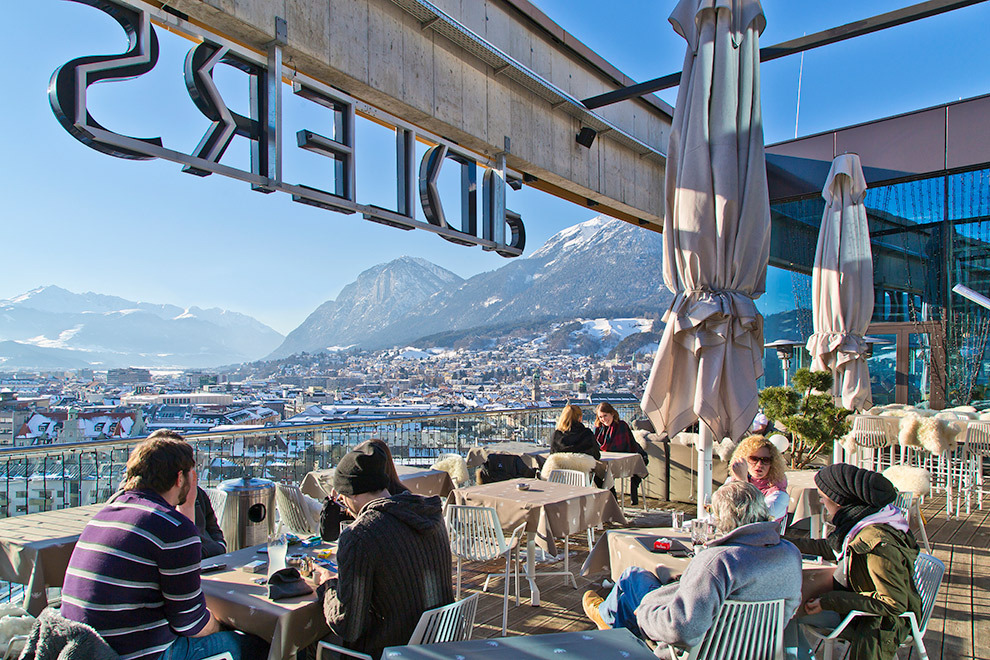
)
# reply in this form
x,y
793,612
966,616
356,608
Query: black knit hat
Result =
x,y
847,484
361,471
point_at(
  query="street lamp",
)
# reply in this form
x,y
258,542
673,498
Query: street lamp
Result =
x,y
785,351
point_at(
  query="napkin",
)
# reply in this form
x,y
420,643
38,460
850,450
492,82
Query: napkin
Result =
x,y
287,583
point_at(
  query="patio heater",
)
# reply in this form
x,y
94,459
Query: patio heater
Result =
x,y
785,351
871,342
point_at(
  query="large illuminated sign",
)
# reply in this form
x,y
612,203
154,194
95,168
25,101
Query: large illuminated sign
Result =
x,y
263,128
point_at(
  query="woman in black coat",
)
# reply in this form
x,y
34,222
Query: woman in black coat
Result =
x,y
573,436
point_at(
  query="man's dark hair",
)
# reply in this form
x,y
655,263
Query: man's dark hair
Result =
x,y
156,462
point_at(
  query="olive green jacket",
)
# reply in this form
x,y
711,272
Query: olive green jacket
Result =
x,y
880,575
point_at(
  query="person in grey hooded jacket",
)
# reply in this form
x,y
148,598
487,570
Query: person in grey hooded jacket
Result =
x,y
748,562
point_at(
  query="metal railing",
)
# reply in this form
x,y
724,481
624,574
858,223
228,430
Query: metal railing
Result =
x,y
49,477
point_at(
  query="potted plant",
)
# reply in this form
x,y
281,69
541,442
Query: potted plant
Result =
x,y
808,412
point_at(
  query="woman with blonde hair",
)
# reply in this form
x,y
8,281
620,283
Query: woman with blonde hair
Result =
x,y
759,462
571,435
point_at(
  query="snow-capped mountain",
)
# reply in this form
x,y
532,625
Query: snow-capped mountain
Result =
x,y
600,268
380,297
65,329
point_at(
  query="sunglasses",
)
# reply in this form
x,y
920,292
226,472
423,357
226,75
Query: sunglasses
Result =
x,y
755,460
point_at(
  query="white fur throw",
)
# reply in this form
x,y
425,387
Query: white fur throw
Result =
x,y
455,466
566,460
724,449
911,479
644,438
686,439
13,621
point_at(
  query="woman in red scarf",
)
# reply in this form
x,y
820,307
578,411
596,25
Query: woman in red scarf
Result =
x,y
614,435
759,462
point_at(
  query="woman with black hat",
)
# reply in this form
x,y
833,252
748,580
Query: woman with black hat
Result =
x,y
875,551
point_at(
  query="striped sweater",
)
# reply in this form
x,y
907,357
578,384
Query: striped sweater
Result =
x,y
134,576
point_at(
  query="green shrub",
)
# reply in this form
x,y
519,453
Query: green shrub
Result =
x,y
809,414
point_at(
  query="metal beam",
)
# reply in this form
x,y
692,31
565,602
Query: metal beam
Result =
x,y
799,45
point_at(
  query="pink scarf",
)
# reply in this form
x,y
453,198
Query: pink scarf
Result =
x,y
768,487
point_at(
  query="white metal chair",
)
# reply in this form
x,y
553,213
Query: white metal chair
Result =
x,y
742,631
910,507
572,478
873,432
974,449
218,500
928,573
450,623
476,535
293,512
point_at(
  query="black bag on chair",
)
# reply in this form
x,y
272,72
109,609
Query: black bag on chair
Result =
x,y
502,467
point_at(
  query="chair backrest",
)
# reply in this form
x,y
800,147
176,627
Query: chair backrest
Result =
x,y
569,477
475,532
744,631
292,510
218,500
903,501
874,430
928,572
450,623
978,437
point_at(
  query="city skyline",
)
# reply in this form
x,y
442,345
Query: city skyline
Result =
x,y
145,231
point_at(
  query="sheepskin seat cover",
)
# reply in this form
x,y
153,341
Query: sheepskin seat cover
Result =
x,y
566,460
909,479
455,466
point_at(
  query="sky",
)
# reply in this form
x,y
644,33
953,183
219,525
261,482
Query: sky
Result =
x,y
143,230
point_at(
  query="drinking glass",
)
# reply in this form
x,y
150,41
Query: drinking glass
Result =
x,y
278,545
677,519
699,532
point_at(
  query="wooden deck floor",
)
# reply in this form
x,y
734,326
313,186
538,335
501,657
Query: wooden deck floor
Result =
x,y
959,627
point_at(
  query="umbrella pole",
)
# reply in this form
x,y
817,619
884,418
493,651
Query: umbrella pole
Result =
x,y
705,441
838,451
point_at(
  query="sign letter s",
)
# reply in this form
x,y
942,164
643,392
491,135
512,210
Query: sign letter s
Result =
x,y
67,88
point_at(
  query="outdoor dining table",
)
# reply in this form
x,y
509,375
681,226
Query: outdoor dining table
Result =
x,y
619,549
234,597
35,549
419,481
614,644
550,511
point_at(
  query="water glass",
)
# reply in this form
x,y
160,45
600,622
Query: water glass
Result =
x,y
677,519
278,546
699,532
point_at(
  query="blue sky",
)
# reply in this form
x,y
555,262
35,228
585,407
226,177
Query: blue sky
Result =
x,y
145,231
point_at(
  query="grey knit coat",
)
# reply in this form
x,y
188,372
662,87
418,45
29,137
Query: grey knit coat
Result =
x,y
751,563
394,564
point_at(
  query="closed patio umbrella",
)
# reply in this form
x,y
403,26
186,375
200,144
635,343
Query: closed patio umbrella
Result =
x,y
716,232
842,285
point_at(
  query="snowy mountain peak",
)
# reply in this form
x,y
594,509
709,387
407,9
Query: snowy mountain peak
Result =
x,y
584,235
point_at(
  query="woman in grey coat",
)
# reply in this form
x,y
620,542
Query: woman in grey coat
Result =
x,y
748,562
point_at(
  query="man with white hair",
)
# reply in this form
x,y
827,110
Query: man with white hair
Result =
x,y
748,562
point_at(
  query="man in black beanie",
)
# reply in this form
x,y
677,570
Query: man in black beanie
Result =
x,y
394,560
875,551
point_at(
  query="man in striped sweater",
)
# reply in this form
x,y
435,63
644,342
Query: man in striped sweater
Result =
x,y
134,573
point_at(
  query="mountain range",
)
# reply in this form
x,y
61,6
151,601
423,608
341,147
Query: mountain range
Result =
x,y
599,268
51,327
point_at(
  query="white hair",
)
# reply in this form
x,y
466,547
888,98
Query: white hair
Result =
x,y
738,503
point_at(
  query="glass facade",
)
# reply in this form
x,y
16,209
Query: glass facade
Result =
x,y
927,235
